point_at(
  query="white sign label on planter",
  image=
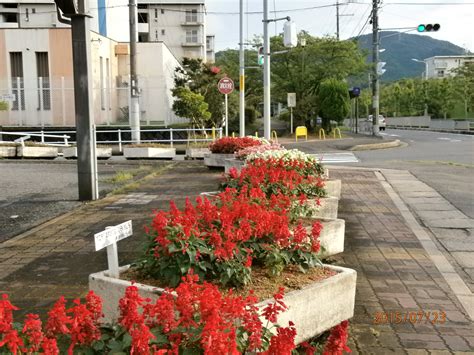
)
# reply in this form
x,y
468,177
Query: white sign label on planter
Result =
x,y
108,239
112,235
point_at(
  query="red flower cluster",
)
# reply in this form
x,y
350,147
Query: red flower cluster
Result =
x,y
337,341
213,237
230,145
198,316
80,323
277,176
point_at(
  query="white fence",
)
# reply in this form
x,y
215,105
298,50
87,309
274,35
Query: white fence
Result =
x,y
120,137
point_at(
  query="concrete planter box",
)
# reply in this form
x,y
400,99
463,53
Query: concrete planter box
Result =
x,y
331,237
314,309
102,153
216,160
333,188
197,153
37,152
233,163
7,152
149,153
327,209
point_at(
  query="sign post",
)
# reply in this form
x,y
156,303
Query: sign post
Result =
x,y
108,239
226,87
291,102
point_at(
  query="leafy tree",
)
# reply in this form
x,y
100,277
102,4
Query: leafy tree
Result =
x,y
464,87
333,101
202,79
191,105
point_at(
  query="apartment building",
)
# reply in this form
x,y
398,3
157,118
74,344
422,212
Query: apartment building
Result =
x,y
106,20
442,66
180,24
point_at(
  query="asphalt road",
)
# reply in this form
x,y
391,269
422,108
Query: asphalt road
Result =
x,y
33,192
443,161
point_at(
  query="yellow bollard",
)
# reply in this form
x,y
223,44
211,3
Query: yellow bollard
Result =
x,y
256,134
301,131
274,136
322,133
213,133
338,131
233,134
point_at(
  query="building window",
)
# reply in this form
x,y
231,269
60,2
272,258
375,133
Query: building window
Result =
x,y
156,35
163,32
191,15
142,6
18,86
102,83
142,17
192,36
42,71
11,18
440,73
162,11
156,13
33,11
143,37
107,83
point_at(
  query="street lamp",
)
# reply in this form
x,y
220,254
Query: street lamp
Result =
x,y
424,76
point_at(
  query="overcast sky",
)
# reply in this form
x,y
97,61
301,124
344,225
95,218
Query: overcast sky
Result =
x,y
456,19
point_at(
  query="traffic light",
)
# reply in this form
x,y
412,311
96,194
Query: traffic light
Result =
x,y
260,58
429,27
380,69
290,37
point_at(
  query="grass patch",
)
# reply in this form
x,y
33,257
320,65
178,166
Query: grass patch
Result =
x,y
140,175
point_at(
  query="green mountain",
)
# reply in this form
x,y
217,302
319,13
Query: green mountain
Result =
x,y
400,48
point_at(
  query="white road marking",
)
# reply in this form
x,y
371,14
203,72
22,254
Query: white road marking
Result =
x,y
334,158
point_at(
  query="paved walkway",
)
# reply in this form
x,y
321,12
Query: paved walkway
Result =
x,y
395,273
396,278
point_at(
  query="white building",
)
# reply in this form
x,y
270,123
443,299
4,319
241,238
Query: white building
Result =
x,y
442,66
36,69
180,24
42,14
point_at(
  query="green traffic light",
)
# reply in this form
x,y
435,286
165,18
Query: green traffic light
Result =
x,y
260,60
421,28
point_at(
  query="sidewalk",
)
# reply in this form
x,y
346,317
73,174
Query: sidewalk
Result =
x,y
395,274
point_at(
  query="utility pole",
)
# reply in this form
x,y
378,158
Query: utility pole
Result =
x,y
242,72
266,73
338,15
134,109
83,99
375,61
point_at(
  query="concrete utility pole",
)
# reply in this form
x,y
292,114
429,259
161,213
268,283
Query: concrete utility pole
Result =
x,y
266,73
337,19
375,61
134,109
81,53
242,71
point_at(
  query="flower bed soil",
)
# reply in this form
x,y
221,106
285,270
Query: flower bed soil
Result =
x,y
263,284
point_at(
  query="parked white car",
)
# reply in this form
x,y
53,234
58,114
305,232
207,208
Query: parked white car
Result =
x,y
382,122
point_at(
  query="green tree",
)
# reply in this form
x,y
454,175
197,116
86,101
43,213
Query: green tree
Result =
x,y
191,105
334,101
463,83
201,78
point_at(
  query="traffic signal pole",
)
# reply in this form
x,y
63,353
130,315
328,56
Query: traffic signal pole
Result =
x,y
266,72
241,72
375,60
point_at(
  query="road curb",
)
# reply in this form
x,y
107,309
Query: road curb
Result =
x,y
373,146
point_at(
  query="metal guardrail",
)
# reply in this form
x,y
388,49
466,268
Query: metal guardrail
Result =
x,y
65,140
27,135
